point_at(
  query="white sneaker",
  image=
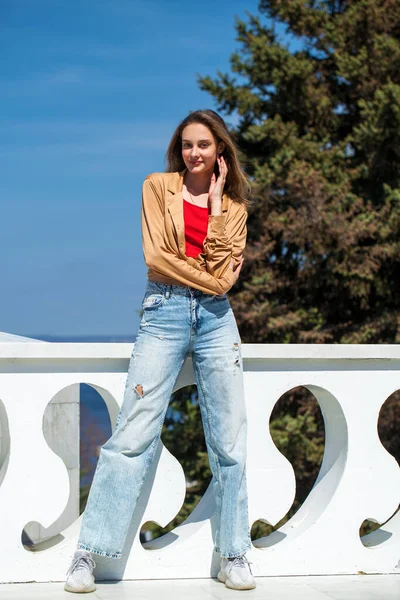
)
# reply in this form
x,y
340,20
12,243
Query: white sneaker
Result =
x,y
236,574
80,577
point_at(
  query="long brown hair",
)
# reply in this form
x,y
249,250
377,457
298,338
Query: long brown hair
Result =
x,y
237,184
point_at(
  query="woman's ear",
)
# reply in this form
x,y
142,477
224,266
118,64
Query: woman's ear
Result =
x,y
221,148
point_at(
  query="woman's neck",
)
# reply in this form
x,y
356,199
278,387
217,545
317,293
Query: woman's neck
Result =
x,y
199,183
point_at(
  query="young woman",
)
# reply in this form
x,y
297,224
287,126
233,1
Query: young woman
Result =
x,y
194,233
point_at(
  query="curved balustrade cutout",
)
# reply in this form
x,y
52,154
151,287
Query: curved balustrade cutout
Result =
x,y
373,533
4,442
183,412
76,422
329,476
297,429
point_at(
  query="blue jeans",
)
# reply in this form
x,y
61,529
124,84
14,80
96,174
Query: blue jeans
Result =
x,y
176,321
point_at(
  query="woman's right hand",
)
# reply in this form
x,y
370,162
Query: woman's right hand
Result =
x,y
236,271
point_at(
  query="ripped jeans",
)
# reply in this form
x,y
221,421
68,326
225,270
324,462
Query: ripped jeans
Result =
x,y
177,321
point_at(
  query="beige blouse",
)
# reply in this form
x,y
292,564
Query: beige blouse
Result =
x,y
163,236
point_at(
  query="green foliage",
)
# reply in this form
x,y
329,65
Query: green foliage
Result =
x,y
297,440
319,132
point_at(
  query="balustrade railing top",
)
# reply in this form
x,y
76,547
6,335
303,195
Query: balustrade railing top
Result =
x,y
22,350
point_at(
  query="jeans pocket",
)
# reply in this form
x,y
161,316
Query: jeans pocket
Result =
x,y
152,301
221,297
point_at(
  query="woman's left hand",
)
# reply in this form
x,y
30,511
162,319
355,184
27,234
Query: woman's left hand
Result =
x,y
236,271
217,184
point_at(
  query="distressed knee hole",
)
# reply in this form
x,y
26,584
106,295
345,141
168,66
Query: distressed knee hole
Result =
x,y
139,389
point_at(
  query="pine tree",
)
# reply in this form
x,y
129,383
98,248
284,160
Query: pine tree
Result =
x,y
319,131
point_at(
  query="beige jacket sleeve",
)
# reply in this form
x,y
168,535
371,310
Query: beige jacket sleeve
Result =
x,y
226,239
163,259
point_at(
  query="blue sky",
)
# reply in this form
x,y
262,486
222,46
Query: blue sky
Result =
x,y
91,93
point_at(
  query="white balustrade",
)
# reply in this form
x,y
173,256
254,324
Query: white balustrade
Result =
x,y
358,479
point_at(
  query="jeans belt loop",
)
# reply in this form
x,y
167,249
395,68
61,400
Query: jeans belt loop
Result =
x,y
168,292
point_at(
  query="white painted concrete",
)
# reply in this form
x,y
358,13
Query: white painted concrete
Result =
x,y
61,431
358,479
348,587
11,337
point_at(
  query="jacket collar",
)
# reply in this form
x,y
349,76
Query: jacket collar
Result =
x,y
174,200
175,187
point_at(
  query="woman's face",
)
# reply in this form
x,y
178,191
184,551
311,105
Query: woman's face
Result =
x,y
199,148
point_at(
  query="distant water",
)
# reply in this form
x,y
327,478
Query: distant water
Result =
x,y
91,399
95,429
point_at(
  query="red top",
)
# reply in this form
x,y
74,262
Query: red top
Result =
x,y
196,224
